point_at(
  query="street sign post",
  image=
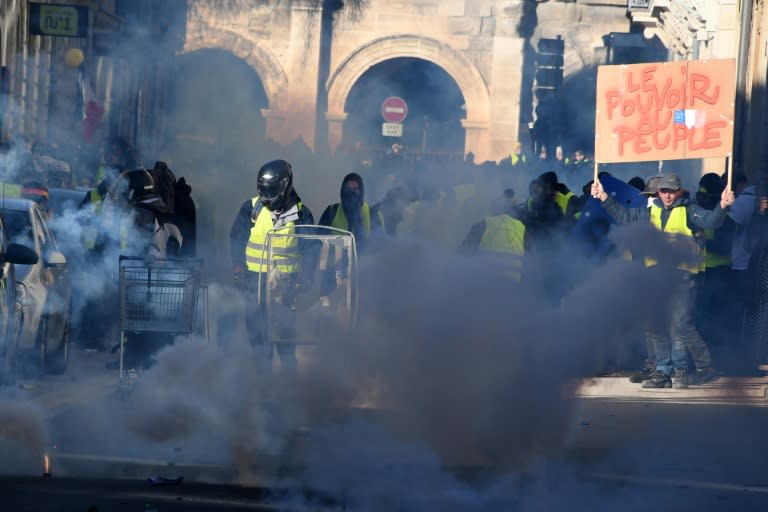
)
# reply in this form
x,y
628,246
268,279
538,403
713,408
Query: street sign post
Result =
x,y
58,20
394,109
392,129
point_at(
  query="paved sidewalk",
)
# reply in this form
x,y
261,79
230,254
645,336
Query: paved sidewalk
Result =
x,y
736,390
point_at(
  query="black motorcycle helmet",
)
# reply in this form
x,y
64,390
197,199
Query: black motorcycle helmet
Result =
x,y
275,183
134,186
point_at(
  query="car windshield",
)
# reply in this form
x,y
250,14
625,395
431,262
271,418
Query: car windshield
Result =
x,y
19,225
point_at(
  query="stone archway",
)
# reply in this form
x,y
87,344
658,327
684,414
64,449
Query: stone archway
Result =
x,y
268,68
471,83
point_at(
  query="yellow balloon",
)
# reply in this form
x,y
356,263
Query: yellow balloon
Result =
x,y
74,57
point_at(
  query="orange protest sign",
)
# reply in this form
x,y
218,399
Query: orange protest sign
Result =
x,y
665,111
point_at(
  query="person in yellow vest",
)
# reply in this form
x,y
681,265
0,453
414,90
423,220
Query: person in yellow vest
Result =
x,y
716,241
90,208
516,158
563,196
353,214
672,213
713,311
579,158
276,207
10,190
500,235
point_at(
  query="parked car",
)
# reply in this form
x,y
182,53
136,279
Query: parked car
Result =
x,y
10,256
42,288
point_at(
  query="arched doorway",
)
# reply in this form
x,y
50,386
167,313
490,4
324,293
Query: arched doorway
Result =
x,y
216,107
457,66
435,107
216,136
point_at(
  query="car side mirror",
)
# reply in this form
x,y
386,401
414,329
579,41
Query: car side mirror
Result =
x,y
21,255
55,259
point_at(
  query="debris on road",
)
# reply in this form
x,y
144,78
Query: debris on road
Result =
x,y
159,480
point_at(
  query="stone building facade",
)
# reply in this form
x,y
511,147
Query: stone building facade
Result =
x,y
486,46
481,44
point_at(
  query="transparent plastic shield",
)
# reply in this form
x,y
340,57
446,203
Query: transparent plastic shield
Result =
x,y
321,291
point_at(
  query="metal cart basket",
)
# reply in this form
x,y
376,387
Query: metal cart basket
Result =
x,y
159,297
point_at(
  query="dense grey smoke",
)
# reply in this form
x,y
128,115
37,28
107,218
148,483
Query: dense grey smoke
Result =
x,y
453,365
23,437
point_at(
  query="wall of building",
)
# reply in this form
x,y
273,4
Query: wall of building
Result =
x,y
754,150
479,43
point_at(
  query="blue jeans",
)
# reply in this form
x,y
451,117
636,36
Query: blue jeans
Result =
x,y
672,350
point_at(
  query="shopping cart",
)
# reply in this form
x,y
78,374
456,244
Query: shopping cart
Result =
x,y
334,294
165,297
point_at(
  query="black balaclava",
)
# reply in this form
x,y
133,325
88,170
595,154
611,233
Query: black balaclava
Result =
x,y
352,201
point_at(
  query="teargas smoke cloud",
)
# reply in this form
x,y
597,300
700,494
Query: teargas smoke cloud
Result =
x,y
453,365
23,436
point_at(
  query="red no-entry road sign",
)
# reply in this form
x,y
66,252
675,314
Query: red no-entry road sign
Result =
x,y
394,109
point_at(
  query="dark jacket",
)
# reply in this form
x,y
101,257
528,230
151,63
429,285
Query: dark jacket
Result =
x,y
241,232
698,218
544,225
185,216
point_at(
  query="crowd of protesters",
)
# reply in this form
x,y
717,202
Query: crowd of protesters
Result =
x,y
540,208
100,204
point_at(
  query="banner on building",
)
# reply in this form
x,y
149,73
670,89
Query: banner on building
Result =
x,y
665,111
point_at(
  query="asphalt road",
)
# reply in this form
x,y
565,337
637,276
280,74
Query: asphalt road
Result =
x,y
628,449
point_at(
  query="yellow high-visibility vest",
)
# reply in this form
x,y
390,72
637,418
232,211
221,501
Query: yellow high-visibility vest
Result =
x,y
562,200
285,249
90,231
340,220
10,190
676,226
711,259
505,235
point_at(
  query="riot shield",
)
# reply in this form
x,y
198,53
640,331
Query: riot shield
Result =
x,y
301,299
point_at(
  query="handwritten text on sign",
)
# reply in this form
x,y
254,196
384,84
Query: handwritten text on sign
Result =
x,y
665,111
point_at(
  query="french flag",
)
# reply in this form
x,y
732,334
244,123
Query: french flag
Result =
x,y
691,118
93,111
